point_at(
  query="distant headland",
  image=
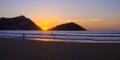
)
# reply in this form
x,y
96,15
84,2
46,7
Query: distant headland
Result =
x,y
17,23
23,23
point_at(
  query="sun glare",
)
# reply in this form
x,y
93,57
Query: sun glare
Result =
x,y
45,28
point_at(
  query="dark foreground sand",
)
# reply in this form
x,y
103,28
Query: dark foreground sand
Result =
x,y
19,49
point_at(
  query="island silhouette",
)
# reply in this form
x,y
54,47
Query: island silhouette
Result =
x,y
23,23
69,26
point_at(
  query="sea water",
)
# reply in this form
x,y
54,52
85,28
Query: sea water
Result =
x,y
64,35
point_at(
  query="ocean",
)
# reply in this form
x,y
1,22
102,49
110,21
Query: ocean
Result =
x,y
63,35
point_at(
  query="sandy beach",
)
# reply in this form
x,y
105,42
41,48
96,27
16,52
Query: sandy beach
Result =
x,y
24,49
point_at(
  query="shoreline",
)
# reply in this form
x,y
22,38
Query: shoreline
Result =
x,y
24,49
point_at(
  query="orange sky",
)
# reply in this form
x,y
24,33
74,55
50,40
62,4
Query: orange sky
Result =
x,y
88,23
91,14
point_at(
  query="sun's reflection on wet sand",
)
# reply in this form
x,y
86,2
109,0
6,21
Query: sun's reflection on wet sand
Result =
x,y
80,41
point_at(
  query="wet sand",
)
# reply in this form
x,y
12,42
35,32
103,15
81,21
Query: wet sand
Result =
x,y
24,49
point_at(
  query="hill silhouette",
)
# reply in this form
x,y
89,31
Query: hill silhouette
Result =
x,y
69,27
23,23
17,23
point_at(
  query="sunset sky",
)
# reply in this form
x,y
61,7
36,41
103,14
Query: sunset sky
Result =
x,y
91,14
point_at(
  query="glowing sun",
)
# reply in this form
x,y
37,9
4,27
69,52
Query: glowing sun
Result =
x,y
45,28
